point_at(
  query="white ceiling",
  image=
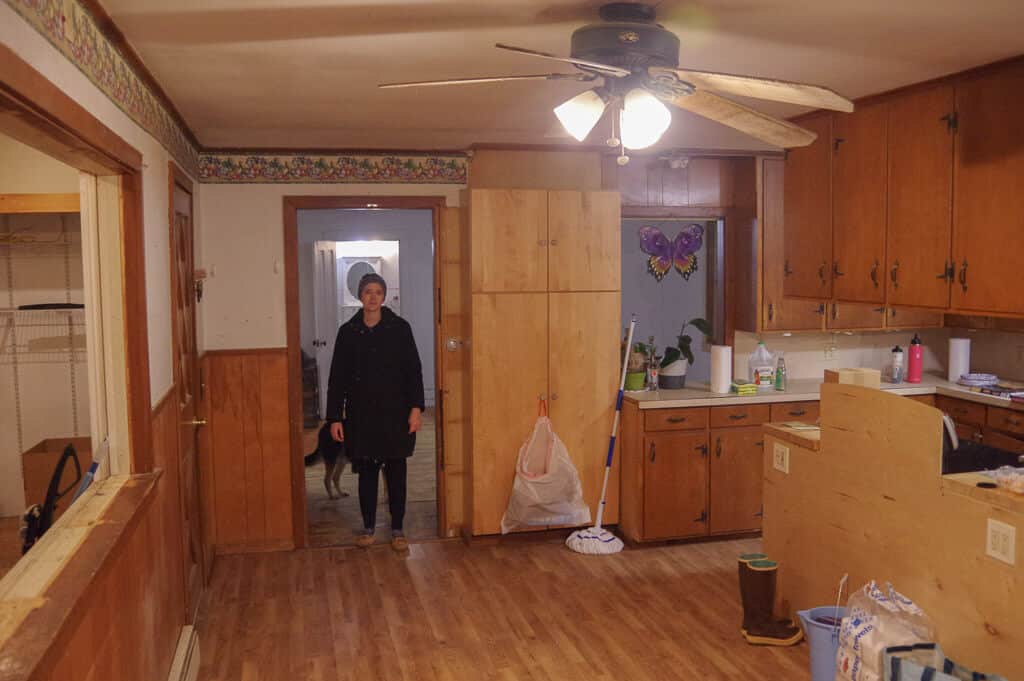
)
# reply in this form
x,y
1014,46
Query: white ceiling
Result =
x,y
274,73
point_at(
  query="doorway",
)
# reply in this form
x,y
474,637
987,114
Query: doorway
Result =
x,y
335,248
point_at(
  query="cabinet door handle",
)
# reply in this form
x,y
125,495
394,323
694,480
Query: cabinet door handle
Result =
x,y
821,309
702,518
718,448
771,312
653,453
963,276
737,417
894,274
759,443
542,242
676,419
786,270
836,272
703,449
823,272
554,242
874,273
798,412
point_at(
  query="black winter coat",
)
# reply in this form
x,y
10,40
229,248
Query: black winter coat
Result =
x,y
376,378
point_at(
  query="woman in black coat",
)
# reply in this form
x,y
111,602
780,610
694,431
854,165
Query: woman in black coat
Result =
x,y
375,403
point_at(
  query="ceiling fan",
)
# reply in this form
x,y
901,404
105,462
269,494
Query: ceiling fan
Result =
x,y
634,63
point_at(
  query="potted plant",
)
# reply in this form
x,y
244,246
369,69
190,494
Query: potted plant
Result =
x,y
672,374
636,367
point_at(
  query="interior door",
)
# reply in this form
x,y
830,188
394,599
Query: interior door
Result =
x,y
584,379
325,313
675,485
187,379
920,197
808,213
736,464
858,205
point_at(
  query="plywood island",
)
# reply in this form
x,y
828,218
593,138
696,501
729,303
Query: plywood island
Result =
x,y
867,497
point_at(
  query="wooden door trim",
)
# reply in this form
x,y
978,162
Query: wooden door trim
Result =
x,y
39,203
291,206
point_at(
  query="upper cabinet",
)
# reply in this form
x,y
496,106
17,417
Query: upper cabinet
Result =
x,y
988,225
920,197
858,205
808,214
585,241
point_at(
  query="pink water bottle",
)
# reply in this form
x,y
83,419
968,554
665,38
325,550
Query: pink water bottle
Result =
x,y
916,361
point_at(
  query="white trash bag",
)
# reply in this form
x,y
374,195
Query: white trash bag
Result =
x,y
547,489
877,618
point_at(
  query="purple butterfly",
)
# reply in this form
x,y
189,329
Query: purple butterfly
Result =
x,y
682,252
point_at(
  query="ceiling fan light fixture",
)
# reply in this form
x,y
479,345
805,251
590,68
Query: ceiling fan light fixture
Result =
x,y
580,114
644,119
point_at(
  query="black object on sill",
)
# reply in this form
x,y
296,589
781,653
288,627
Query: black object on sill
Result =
x,y
987,485
52,306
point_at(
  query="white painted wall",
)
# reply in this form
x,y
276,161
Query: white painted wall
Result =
x,y
414,230
242,248
23,170
662,307
34,49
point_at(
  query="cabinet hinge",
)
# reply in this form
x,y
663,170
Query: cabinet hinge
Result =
x,y
952,121
703,518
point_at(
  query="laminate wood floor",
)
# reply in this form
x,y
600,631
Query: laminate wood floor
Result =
x,y
519,611
334,522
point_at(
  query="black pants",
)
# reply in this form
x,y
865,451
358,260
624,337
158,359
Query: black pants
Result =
x,y
394,478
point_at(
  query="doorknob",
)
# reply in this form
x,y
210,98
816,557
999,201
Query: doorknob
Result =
x,y
194,422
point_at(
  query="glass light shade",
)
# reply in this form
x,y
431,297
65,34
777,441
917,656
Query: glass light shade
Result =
x,y
644,119
580,114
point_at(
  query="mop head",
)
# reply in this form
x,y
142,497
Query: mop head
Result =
x,y
594,541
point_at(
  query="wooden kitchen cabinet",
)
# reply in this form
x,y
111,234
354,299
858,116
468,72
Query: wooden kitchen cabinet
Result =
x,y
920,197
808,213
988,222
913,318
675,485
858,204
508,240
777,313
584,241
843,316
806,412
736,479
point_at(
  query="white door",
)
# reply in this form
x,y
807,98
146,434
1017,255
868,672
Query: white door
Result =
x,y
325,312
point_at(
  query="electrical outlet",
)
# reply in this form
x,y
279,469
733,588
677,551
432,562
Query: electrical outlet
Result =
x,y
1001,541
780,458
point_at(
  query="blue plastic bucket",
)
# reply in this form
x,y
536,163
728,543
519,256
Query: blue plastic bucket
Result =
x,y
823,638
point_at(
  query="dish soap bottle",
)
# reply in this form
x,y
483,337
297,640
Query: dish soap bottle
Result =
x,y
780,374
916,361
762,367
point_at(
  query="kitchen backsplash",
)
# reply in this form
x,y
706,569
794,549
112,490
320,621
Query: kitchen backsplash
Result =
x,y
995,352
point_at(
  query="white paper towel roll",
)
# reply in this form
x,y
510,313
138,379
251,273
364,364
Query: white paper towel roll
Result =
x,y
721,368
959,358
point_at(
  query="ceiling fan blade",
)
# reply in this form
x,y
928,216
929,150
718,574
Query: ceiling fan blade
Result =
x,y
750,121
764,88
583,63
489,79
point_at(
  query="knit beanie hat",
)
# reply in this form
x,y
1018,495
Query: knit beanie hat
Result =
x,y
372,278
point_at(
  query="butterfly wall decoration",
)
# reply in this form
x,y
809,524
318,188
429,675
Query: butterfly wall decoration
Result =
x,y
680,252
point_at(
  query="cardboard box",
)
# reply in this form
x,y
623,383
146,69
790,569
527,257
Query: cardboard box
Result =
x,y
869,378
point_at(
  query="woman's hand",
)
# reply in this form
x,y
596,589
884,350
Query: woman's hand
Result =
x,y
337,431
415,420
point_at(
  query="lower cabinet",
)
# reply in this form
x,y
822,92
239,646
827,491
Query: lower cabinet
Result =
x,y
736,471
675,484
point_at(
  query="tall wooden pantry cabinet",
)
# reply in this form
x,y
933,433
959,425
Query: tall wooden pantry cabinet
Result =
x,y
545,277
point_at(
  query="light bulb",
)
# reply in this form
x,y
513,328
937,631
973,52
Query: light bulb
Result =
x,y
644,119
580,114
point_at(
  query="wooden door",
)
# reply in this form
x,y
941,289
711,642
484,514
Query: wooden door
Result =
x,y
325,314
508,240
778,314
808,214
988,223
186,376
843,316
920,190
509,348
736,480
858,205
585,241
584,379
675,484
913,318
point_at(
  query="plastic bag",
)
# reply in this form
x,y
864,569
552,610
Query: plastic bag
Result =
x,y
547,489
877,619
924,662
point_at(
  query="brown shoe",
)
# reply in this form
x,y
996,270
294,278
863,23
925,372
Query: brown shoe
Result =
x,y
400,543
365,540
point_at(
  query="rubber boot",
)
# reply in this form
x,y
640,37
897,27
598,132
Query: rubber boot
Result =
x,y
759,601
742,562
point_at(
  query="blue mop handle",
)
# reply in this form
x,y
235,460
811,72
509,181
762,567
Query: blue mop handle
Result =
x,y
86,480
615,423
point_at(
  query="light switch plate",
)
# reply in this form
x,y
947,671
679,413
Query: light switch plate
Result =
x,y
1001,541
780,457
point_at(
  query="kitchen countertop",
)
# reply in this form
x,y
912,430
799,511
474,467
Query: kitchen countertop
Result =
x,y
804,390
808,439
966,484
